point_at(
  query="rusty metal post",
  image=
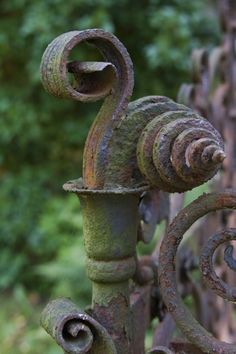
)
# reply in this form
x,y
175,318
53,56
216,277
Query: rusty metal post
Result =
x,y
110,236
132,152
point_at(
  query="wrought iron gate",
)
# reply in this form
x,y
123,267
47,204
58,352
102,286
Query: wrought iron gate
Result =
x,y
136,155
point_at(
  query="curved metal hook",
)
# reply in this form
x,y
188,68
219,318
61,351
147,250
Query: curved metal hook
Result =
x,y
167,269
112,79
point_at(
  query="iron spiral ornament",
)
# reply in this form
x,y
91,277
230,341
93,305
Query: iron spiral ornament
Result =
x,y
74,330
179,150
193,331
152,142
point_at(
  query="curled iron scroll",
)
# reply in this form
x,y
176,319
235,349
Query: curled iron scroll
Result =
x,y
110,155
74,330
194,332
111,79
56,65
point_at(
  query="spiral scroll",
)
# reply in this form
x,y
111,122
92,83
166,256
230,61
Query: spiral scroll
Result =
x,y
195,333
111,79
152,141
74,330
179,150
150,144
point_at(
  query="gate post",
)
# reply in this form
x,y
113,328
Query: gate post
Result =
x,y
110,236
149,145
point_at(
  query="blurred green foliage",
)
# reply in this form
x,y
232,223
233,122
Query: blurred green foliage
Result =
x,y
42,138
20,331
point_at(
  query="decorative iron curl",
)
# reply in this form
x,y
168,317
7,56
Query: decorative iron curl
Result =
x,y
74,330
206,263
111,79
179,150
151,141
194,332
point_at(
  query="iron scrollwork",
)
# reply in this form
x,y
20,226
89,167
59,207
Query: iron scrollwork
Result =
x,y
134,152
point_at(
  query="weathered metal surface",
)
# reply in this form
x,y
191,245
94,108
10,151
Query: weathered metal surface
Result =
x,y
206,264
74,330
140,300
110,241
179,346
165,155
228,257
164,332
213,94
110,157
114,81
132,152
194,332
153,208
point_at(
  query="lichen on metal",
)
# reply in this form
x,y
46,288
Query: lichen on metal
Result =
x,y
75,330
121,149
133,154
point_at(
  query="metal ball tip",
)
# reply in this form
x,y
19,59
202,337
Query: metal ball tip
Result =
x,y
218,156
